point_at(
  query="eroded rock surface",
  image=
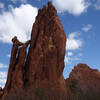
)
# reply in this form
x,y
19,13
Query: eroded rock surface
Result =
x,y
47,50
83,83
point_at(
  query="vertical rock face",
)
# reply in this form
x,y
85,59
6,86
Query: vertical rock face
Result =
x,y
15,79
39,70
46,55
13,63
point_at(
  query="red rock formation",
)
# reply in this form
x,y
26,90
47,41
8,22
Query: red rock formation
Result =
x,y
46,54
13,61
15,80
83,83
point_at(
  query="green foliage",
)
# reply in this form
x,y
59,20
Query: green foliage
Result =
x,y
78,94
50,41
40,94
74,84
51,46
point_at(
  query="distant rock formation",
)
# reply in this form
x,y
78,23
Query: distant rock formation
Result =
x,y
83,83
36,67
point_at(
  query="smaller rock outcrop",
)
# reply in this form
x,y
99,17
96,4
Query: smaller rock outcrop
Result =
x,y
13,61
15,78
83,83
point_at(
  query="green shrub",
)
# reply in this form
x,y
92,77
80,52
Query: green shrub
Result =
x,y
50,45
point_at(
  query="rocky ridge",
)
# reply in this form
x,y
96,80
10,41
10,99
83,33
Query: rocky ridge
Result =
x,y
83,83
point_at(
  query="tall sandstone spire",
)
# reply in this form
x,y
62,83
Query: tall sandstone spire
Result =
x,y
45,62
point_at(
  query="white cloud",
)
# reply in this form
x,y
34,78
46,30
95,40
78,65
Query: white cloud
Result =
x,y
8,55
97,5
17,21
14,1
1,5
3,78
2,81
69,60
3,65
80,54
3,75
87,28
23,1
2,85
73,41
75,7
66,60
70,53
10,6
